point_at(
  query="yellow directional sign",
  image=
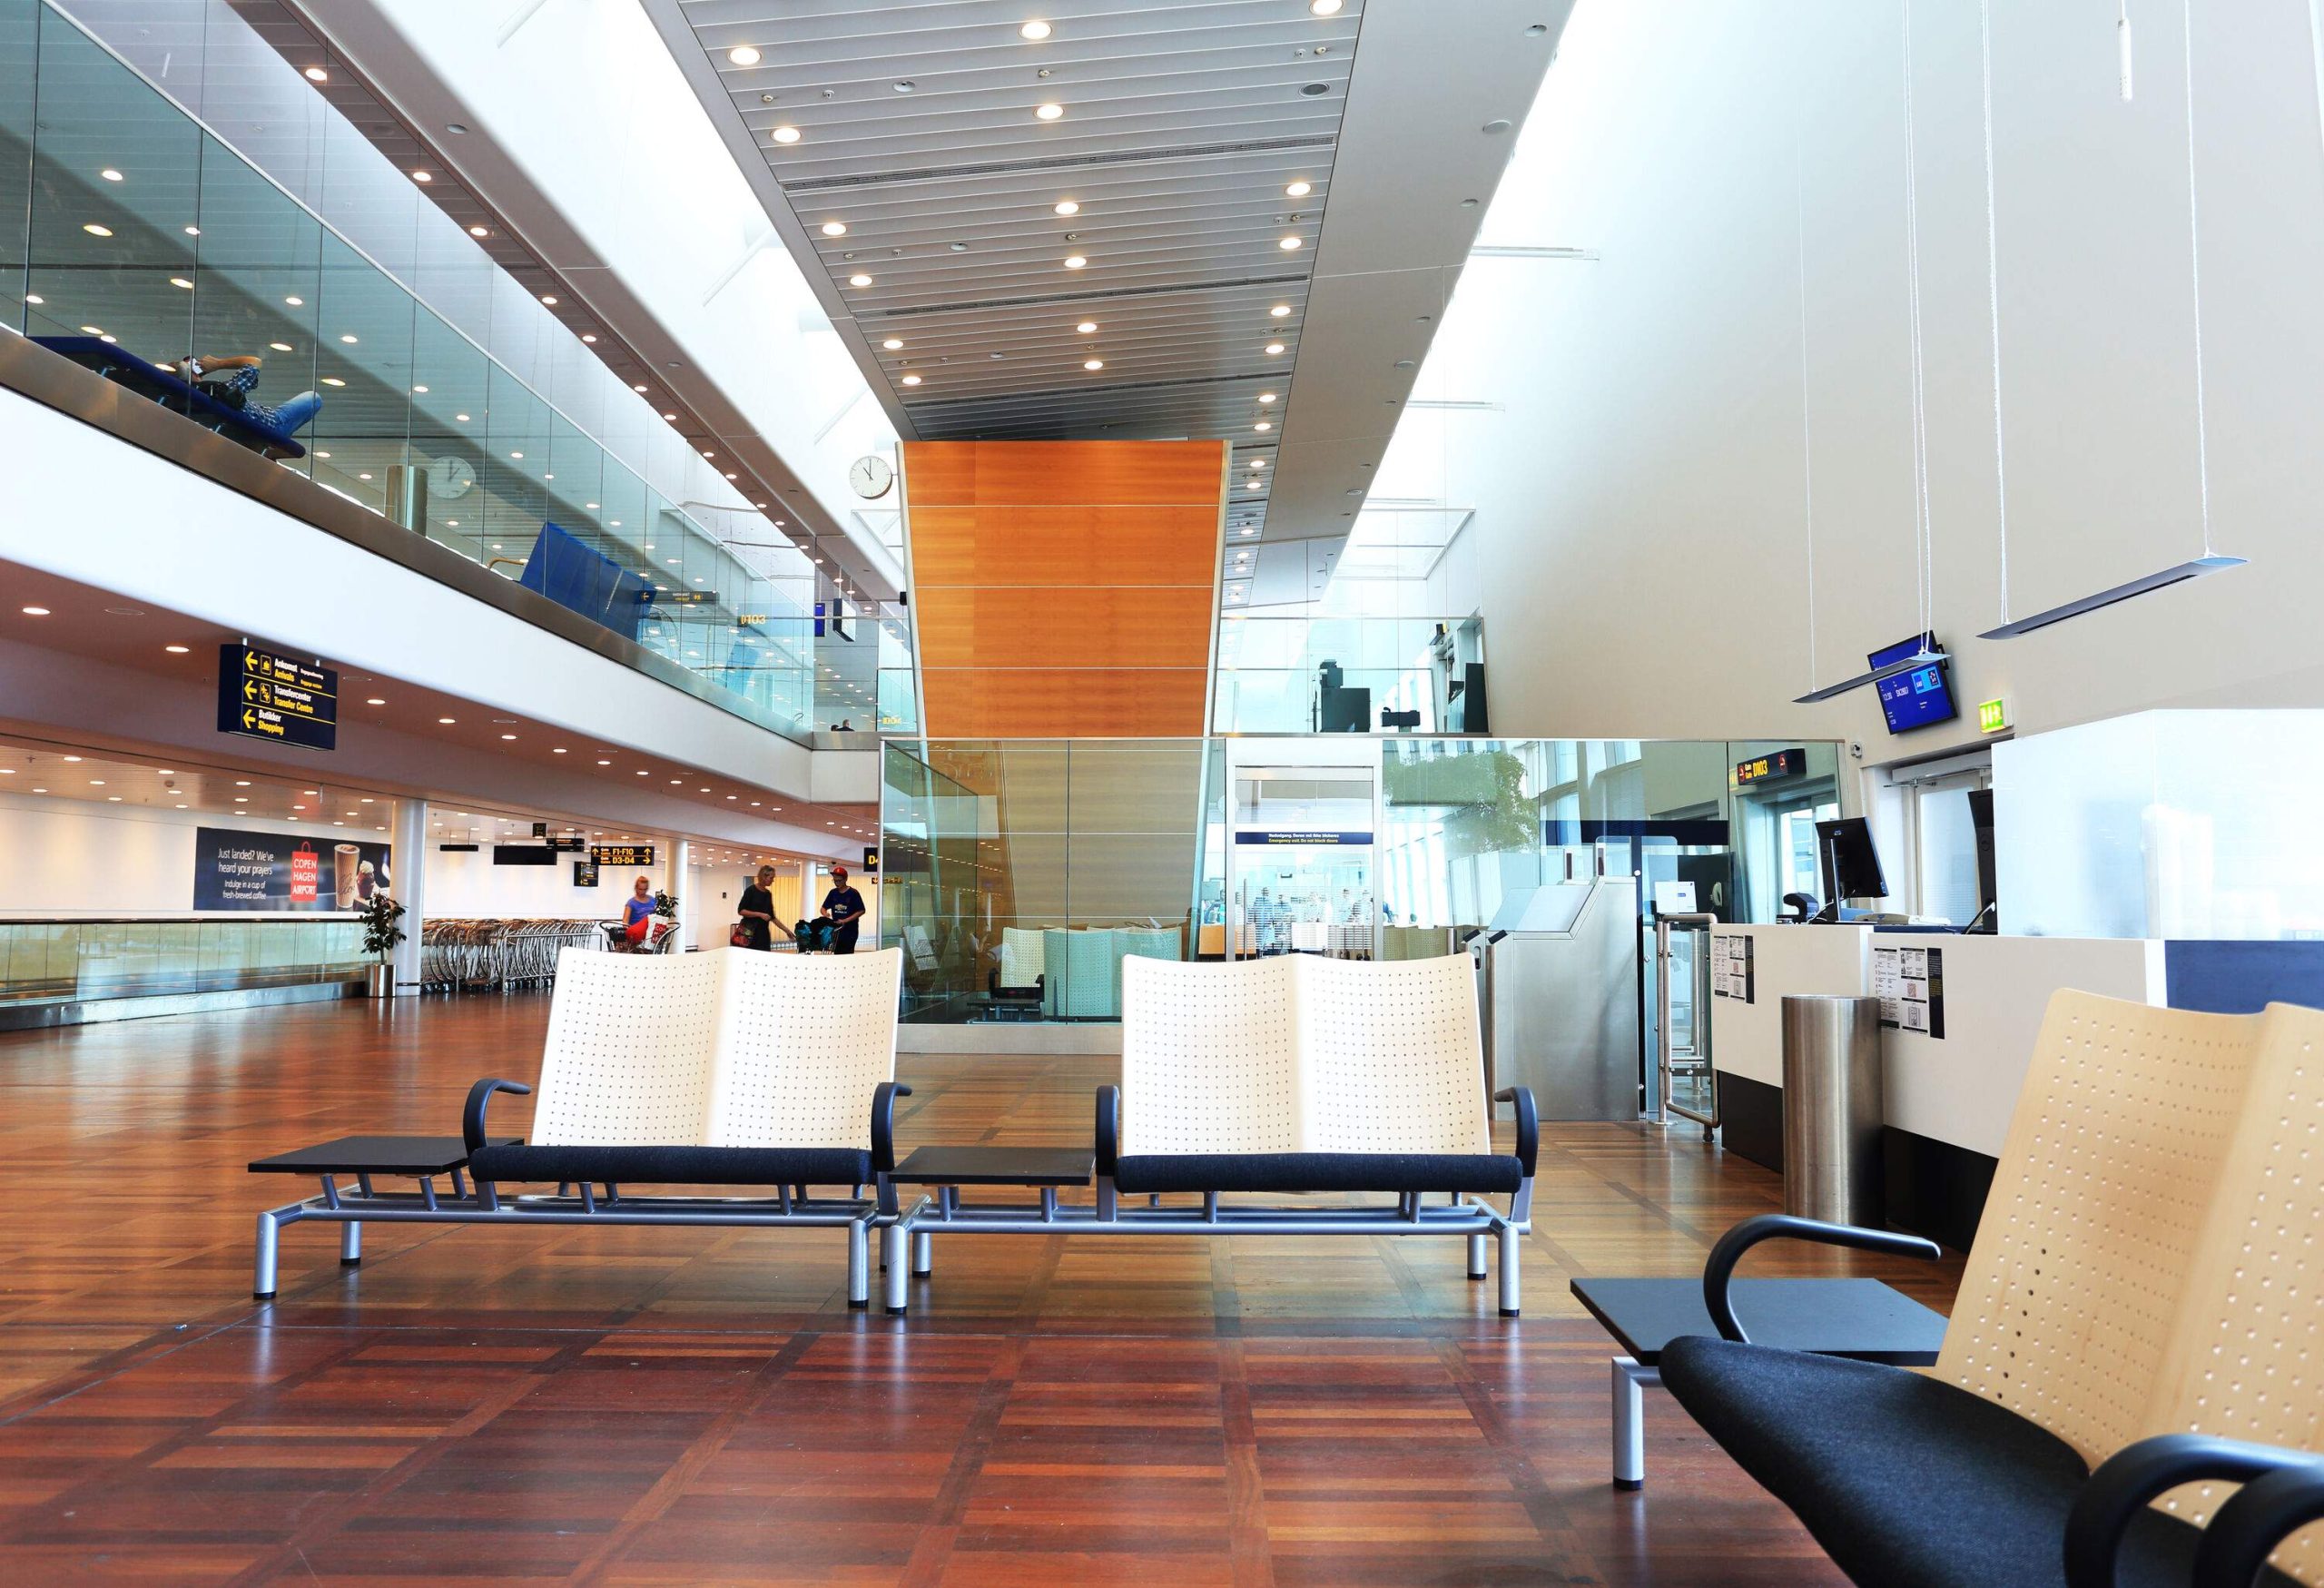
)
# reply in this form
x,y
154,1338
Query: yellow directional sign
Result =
x,y
266,695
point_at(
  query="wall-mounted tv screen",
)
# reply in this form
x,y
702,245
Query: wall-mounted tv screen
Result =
x,y
1917,697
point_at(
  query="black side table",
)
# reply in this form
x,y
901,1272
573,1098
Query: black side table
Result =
x,y
1861,1318
948,1169
420,1157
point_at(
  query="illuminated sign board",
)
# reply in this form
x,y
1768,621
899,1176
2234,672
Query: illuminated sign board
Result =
x,y
622,856
262,695
1760,769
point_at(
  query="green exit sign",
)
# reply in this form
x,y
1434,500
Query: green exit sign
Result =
x,y
1992,716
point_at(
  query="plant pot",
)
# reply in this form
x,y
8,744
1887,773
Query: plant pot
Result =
x,y
380,981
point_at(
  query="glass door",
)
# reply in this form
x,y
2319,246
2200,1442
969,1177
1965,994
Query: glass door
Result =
x,y
1300,876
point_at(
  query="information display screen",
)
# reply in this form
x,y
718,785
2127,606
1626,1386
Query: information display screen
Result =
x,y
622,856
1917,697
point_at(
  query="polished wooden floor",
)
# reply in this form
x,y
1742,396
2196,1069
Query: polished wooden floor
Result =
x,y
647,1406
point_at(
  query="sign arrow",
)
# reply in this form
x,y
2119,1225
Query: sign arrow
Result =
x,y
249,660
248,717
249,690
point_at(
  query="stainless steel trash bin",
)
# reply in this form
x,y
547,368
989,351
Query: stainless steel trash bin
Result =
x,y
1832,1108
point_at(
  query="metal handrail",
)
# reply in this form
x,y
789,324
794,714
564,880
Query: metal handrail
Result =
x,y
1694,921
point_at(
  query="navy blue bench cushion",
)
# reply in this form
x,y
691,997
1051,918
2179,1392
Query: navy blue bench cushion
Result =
x,y
1318,1172
677,1166
150,381
1906,1481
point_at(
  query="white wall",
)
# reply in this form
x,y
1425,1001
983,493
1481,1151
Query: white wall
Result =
x,y
471,886
1642,540
71,858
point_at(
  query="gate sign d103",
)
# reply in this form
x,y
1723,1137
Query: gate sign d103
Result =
x,y
262,695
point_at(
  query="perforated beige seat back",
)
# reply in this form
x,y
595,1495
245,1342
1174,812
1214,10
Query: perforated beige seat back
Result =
x,y
1210,1060
2073,1288
1394,1060
627,1060
2247,1359
805,1041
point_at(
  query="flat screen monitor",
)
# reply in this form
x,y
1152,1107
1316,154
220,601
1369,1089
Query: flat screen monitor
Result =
x,y
1851,864
1917,697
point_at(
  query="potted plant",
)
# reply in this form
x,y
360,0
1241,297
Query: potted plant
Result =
x,y
378,916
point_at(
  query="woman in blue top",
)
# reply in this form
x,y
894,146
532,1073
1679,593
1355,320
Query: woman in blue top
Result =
x,y
637,912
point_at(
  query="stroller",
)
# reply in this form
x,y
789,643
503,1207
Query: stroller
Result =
x,y
813,937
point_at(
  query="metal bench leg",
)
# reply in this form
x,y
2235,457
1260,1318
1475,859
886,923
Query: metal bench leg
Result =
x,y
1630,1380
350,1243
1477,1256
898,1277
270,1231
859,1263
1509,1277
924,1254
892,1248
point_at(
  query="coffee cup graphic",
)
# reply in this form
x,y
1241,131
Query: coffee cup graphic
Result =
x,y
346,862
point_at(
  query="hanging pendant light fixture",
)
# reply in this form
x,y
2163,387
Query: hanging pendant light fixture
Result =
x,y
2210,561
1924,538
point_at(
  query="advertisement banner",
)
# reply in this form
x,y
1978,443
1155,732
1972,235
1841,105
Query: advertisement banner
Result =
x,y
233,870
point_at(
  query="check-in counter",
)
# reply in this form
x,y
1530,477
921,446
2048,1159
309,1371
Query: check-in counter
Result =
x,y
1948,1096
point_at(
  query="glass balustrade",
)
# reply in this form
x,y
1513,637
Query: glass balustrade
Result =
x,y
131,239
1308,674
76,961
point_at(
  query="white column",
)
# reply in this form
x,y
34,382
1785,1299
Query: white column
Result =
x,y
409,861
681,883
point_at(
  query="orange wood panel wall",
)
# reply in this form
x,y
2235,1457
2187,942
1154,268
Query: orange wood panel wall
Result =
x,y
1063,589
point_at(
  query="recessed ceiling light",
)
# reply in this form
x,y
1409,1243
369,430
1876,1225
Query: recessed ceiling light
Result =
x,y
479,232
461,416
638,386
1273,347
743,55
280,347
508,736
550,299
375,700
1067,207
1288,243
1093,364
317,74
93,229
859,279
1300,189
1264,425
239,783
1258,463
348,337
909,380
1266,397
671,417
181,282
1035,31
1250,485
892,343
785,134
1325,7
1048,112
36,611
1075,262
1087,327
1280,309
834,228
177,650
445,721
422,176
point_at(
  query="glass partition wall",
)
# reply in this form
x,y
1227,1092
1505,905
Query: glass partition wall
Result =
x,y
131,239
1018,874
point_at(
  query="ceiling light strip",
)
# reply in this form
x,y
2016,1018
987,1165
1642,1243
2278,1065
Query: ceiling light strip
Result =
x,y
1054,298
808,184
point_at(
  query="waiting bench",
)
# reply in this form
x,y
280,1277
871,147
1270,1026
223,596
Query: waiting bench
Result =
x,y
1279,1078
726,1068
2140,1326
164,387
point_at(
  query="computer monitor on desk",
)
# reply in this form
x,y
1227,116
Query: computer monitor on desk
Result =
x,y
1851,864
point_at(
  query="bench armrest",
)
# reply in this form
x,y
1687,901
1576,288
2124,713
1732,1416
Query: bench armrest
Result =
x,y
1719,1272
1529,1124
883,1124
2128,1480
472,1113
2257,1518
1109,1128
